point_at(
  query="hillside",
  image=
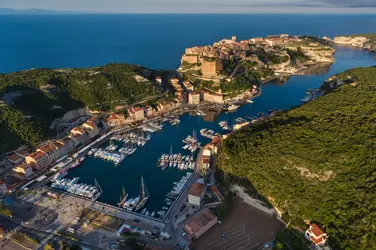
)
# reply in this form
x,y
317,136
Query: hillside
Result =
x,y
317,161
38,96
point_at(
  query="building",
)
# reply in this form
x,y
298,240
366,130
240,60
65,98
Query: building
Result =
x,y
196,194
149,111
65,146
80,136
25,169
3,187
212,97
201,223
15,158
194,98
136,113
38,160
316,235
91,127
116,120
51,150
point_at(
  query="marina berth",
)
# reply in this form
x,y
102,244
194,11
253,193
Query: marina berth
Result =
x,y
72,186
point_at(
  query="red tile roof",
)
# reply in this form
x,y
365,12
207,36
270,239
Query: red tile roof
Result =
x,y
14,157
217,192
22,152
316,230
197,189
316,241
201,221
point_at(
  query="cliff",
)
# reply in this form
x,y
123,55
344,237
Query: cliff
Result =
x,y
357,42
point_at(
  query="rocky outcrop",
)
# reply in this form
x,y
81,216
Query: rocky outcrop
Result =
x,y
357,42
371,46
319,54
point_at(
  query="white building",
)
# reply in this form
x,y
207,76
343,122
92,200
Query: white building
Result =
x,y
196,194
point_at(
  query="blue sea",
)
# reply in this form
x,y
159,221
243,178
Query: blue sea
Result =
x,y
156,41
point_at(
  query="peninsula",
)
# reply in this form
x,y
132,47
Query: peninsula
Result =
x,y
230,66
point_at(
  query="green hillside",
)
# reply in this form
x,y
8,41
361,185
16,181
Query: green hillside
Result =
x,y
37,97
317,161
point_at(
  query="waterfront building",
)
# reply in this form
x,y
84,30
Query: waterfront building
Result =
x,y
25,169
51,150
201,223
149,111
116,120
38,160
3,187
194,98
15,158
212,97
316,235
91,127
65,146
205,163
136,113
196,194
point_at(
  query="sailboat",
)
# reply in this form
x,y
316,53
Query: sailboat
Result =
x,y
144,196
123,198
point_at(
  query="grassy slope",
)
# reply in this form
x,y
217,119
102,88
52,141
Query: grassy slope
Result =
x,y
331,136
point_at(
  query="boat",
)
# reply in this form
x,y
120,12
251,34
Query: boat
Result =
x,y
123,198
152,214
144,196
250,101
233,107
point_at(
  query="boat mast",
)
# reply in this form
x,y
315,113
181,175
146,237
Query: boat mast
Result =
x,y
142,190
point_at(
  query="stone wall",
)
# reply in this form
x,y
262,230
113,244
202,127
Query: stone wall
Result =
x,y
211,68
189,59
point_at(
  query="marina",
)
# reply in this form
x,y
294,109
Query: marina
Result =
x,y
143,162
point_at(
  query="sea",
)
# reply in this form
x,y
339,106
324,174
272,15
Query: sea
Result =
x,y
158,41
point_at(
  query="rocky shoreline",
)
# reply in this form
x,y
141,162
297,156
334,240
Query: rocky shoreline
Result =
x,y
362,42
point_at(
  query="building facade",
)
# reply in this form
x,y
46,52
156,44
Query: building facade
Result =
x,y
316,235
196,194
194,98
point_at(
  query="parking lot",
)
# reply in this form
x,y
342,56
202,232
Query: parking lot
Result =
x,y
244,228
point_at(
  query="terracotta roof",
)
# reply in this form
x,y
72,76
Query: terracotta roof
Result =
x,y
22,152
316,241
201,221
317,230
14,157
46,148
24,166
92,119
37,155
196,189
59,144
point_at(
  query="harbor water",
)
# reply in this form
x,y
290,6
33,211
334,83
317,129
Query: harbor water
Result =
x,y
143,163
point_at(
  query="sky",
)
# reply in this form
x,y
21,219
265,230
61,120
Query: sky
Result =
x,y
197,6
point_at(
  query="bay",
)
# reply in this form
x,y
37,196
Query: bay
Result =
x,y
157,41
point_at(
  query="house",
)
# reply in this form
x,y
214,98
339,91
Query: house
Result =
x,y
25,169
196,194
116,120
205,164
3,187
136,113
15,158
79,135
51,150
65,146
194,98
38,160
149,111
91,127
201,223
316,235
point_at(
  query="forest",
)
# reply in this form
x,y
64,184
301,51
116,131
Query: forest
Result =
x,y
32,99
316,162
